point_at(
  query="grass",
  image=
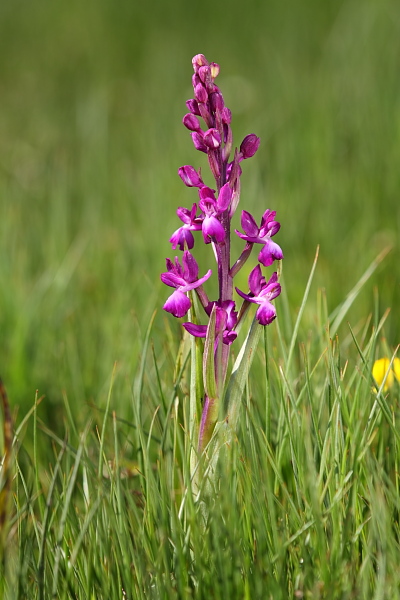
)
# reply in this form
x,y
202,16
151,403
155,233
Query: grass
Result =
x,y
90,142
306,506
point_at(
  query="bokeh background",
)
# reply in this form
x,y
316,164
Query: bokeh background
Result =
x,y
92,94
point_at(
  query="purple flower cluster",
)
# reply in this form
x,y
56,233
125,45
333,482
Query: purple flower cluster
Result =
x,y
212,215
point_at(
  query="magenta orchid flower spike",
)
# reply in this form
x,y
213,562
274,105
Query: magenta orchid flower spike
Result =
x,y
209,124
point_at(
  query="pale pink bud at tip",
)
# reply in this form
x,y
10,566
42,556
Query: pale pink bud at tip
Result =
x,y
199,61
214,69
201,93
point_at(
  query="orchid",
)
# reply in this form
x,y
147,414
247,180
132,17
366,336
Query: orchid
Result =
x,y
213,209
262,293
184,278
209,124
262,235
184,235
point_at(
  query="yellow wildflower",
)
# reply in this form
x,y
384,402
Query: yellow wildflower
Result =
x,y
380,369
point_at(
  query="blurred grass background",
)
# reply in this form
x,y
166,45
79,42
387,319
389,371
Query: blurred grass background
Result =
x,y
92,97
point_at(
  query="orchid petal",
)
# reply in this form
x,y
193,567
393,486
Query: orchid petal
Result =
x,y
183,238
270,252
177,304
172,279
206,193
185,214
190,267
213,230
246,296
197,283
224,197
271,291
272,280
229,337
256,280
273,228
269,215
266,313
249,225
170,264
247,238
196,330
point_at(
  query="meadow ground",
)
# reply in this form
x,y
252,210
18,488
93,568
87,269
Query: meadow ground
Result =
x,y
92,97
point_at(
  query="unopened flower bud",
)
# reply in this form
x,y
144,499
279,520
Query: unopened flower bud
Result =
x,y
193,106
190,176
214,69
198,141
205,74
212,139
198,61
201,93
250,145
195,80
216,101
191,122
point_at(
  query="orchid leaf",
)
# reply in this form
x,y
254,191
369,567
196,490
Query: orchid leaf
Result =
x,y
210,385
240,372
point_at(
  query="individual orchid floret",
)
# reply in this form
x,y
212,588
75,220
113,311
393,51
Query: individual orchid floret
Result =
x,y
262,235
212,228
184,278
190,176
183,236
262,293
226,320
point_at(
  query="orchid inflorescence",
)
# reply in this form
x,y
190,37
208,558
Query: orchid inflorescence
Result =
x,y
212,215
